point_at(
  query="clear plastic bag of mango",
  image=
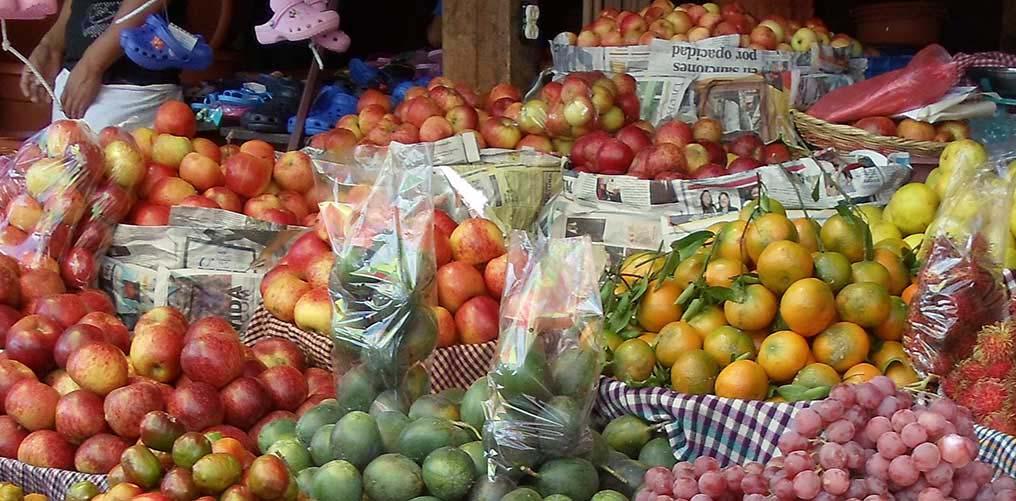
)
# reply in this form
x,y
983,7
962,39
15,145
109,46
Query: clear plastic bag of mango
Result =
x,y
959,287
382,234
549,356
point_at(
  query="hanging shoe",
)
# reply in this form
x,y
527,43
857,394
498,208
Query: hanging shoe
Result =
x,y
296,20
160,45
336,41
27,9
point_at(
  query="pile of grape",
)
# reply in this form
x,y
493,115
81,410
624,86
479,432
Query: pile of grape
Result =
x,y
865,442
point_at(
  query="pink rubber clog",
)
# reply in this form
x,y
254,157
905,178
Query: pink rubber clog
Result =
x,y
27,9
296,20
335,41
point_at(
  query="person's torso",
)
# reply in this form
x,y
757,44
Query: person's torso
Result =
x,y
91,18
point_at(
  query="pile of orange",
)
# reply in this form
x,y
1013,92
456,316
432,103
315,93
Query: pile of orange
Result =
x,y
818,314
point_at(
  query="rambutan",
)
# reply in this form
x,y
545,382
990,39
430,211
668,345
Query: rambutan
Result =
x,y
985,397
1000,369
1002,421
996,342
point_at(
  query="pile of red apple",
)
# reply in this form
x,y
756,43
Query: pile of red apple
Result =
x,y
75,385
674,150
692,23
908,128
195,172
564,111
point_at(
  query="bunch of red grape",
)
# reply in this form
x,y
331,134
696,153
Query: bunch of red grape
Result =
x,y
865,442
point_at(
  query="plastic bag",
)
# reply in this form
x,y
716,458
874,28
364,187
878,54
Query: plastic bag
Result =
x,y
959,286
928,76
46,187
549,357
382,327
124,169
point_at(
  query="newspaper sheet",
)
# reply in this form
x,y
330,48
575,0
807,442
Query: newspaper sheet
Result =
x,y
802,184
201,271
668,58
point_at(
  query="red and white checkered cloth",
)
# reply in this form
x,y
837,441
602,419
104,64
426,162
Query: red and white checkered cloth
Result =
x,y
452,367
989,59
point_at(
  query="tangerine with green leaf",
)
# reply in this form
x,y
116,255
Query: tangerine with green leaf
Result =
x,y
676,338
899,275
808,306
694,372
832,268
743,379
817,374
843,235
765,230
775,207
755,310
658,306
708,319
807,232
869,271
728,344
721,272
783,354
866,304
633,360
782,263
841,346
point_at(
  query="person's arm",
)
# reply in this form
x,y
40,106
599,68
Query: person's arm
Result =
x,y
46,57
86,78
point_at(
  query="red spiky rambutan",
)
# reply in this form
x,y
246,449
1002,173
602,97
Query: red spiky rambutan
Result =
x,y
1000,369
986,396
1002,421
996,342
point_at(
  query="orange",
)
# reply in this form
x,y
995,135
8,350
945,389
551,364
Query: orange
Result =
x,y
774,206
815,374
865,304
908,294
860,373
708,319
690,269
721,272
841,346
888,353
676,338
808,306
869,271
783,263
633,360
649,338
757,336
728,241
611,339
902,374
694,372
899,276
743,379
894,245
783,354
811,358
833,268
755,311
892,328
637,266
658,306
807,232
845,236
728,344
765,230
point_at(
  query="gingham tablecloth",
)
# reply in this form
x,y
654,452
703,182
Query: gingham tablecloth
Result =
x,y
51,482
452,367
739,431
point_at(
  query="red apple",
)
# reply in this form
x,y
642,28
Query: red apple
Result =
x,y
46,449
207,148
275,351
79,416
11,373
294,171
476,241
260,149
201,172
442,248
32,404
775,153
176,118
155,353
536,142
709,171
149,214
674,132
313,311
199,201
212,359
31,341
9,316
75,337
113,329
500,133
477,320
707,129
171,191
244,401
125,407
586,147
747,145
319,381
197,405
881,126
65,309
635,138
457,282
444,222
285,385
35,284
98,367
715,151
99,454
494,275
666,157
436,128
154,174
96,300
247,175
375,97
504,90
11,436
613,157
743,164
446,334
224,198
304,249
320,268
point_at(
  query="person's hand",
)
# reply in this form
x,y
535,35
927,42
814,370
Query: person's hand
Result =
x,y
79,93
48,61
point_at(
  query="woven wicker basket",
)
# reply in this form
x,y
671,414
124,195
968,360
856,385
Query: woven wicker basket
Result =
x,y
823,134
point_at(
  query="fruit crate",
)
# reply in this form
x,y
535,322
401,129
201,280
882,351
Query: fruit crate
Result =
x,y
739,431
450,367
822,134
